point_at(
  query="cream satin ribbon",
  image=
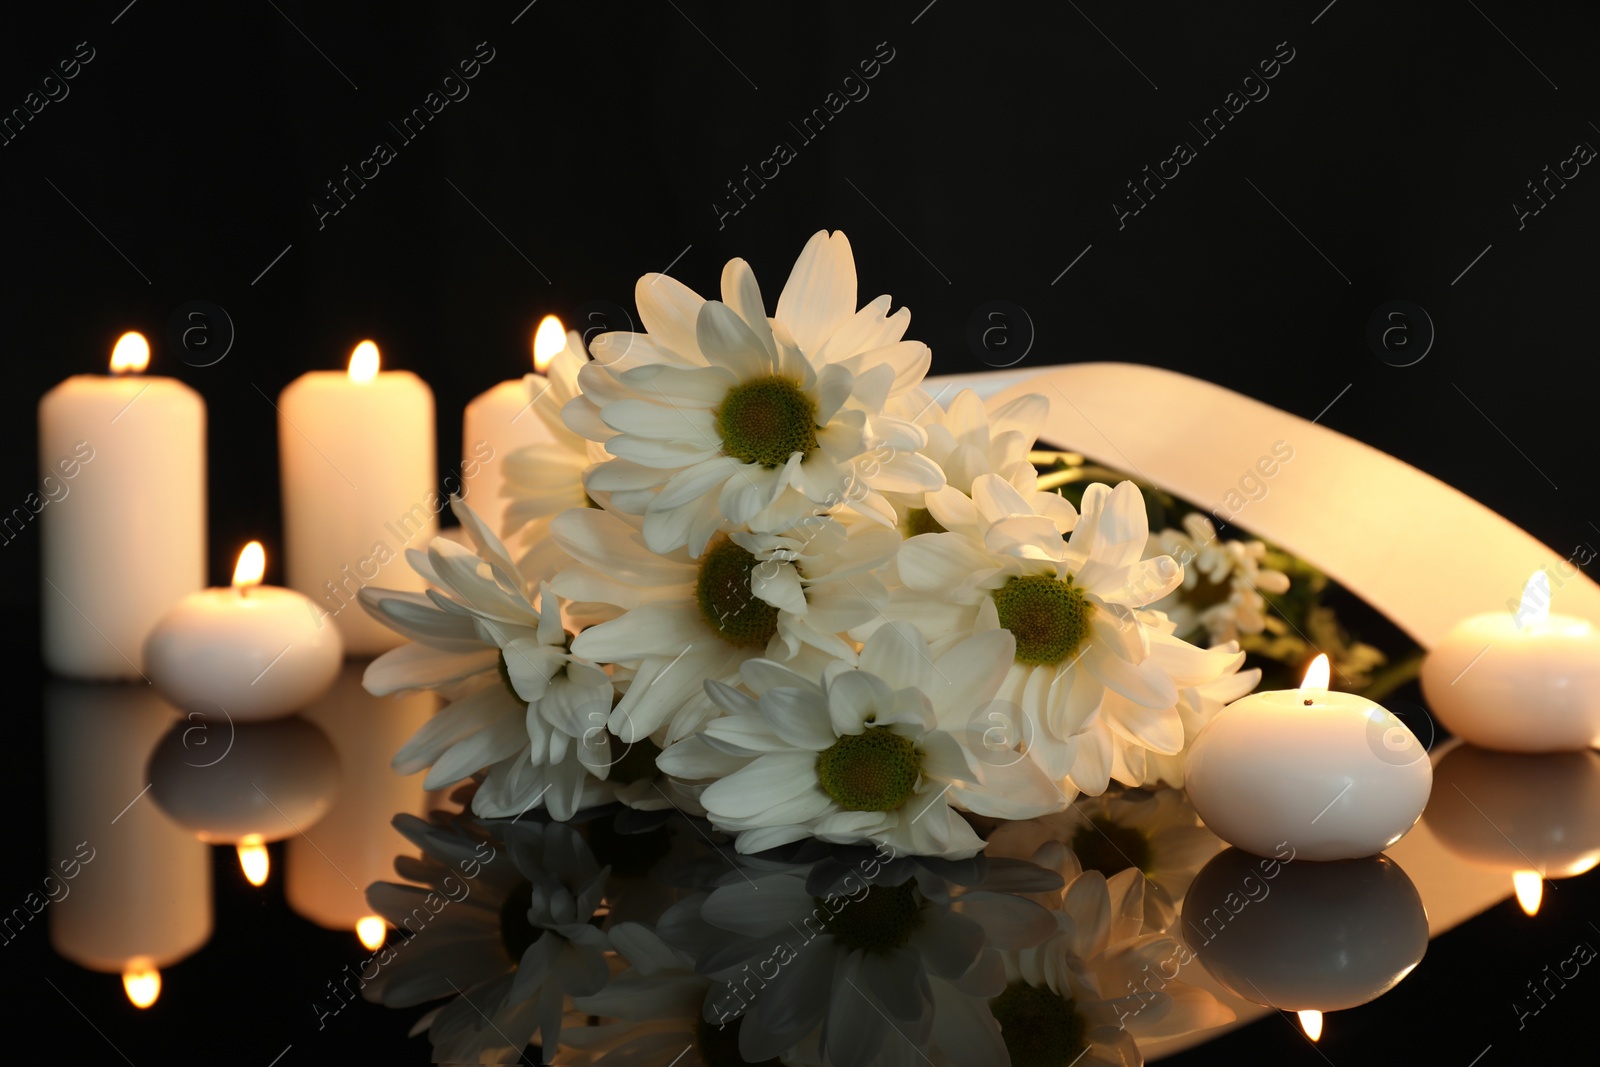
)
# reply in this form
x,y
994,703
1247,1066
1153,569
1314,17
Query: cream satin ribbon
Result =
x,y
1421,552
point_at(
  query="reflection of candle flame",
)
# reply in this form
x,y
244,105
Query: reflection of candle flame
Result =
x,y
1530,890
1535,606
371,931
142,983
1311,1023
548,339
253,858
364,362
1318,674
251,567
131,354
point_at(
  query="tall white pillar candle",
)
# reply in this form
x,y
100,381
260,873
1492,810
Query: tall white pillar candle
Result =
x,y
358,473
122,512
502,420
135,887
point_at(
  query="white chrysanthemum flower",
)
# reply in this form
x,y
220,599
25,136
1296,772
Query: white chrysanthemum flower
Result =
x,y
969,438
1092,673
1086,993
1222,581
505,931
682,621
1156,833
870,755
884,959
523,706
544,480
1196,706
720,417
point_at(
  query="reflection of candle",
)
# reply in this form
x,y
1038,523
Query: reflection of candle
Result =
x,y
142,899
1531,816
327,870
1522,682
356,452
273,779
253,651
1331,774
121,509
502,420
1305,937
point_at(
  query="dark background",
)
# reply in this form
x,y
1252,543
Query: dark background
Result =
x,y
986,158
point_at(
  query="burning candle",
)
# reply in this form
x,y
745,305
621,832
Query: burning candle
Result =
x,y
253,651
1527,681
1332,775
502,420
122,513
356,450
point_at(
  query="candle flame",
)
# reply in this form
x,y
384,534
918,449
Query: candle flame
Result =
x,y
1530,890
1318,673
251,567
131,354
364,362
371,931
1535,607
142,982
1311,1023
254,859
548,339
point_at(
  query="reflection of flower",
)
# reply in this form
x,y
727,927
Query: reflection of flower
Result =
x,y
511,950
1094,675
723,417
524,706
1222,581
869,755
1085,994
1157,833
544,480
885,959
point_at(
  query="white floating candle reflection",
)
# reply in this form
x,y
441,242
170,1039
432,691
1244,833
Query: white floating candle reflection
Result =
x,y
371,931
1311,1023
254,860
1529,886
142,982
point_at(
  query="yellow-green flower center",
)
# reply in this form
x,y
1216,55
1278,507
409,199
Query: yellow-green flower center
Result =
x,y
1048,616
727,604
1108,848
879,919
1040,1028
767,420
921,521
875,770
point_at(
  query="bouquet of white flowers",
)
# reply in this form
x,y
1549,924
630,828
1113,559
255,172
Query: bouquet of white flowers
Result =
x,y
783,641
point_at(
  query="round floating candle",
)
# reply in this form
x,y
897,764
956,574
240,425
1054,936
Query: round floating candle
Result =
x,y
356,453
1527,681
502,420
1330,775
122,511
252,651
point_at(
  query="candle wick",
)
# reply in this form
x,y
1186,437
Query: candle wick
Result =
x,y
1308,702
